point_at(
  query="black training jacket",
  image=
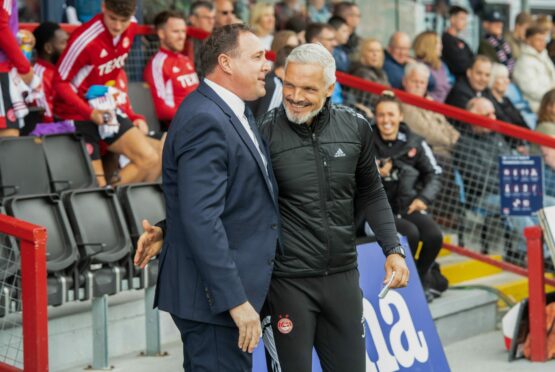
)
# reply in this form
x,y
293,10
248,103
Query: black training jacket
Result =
x,y
321,170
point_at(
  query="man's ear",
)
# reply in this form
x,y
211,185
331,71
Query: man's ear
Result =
x,y
330,90
224,61
48,48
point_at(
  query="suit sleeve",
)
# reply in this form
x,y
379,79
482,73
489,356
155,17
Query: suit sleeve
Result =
x,y
371,198
9,45
159,88
69,65
200,152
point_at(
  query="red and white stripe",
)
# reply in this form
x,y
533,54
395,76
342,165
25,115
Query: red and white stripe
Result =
x,y
163,90
81,76
42,102
7,5
78,46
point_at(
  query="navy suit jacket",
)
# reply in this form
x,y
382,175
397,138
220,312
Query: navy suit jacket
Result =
x,y
221,214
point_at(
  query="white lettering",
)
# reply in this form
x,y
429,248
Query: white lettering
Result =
x,y
386,362
113,64
188,80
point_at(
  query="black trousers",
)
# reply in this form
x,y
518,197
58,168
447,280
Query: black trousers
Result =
x,y
421,227
211,348
324,312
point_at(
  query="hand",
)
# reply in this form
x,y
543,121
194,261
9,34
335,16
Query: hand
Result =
x,y
248,322
417,205
97,116
395,262
385,169
141,125
28,77
149,244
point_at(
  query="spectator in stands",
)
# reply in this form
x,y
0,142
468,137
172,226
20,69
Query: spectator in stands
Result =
x,y
202,17
298,24
10,56
546,125
475,84
318,11
456,54
263,21
534,72
517,37
504,108
493,45
397,56
287,9
274,85
51,43
284,38
224,13
341,51
405,160
434,127
95,55
324,34
169,73
427,49
350,12
369,64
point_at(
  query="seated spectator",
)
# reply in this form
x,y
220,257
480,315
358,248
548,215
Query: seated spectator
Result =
x,y
350,12
298,25
475,84
224,13
534,72
274,85
202,17
318,11
427,49
411,178
546,123
517,37
369,64
284,38
434,127
456,53
169,73
287,9
397,56
493,45
103,61
341,51
504,108
263,22
51,43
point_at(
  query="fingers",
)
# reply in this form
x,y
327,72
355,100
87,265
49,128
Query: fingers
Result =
x,y
147,226
242,335
388,272
401,278
255,336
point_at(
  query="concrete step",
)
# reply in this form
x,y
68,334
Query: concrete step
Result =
x,y
459,269
460,314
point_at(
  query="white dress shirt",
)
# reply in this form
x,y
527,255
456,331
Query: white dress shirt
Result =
x,y
237,105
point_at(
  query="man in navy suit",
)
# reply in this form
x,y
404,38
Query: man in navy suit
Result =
x,y
222,216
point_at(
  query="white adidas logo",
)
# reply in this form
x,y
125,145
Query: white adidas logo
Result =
x,y
339,154
104,53
175,69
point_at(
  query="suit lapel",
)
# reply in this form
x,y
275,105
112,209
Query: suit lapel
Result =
x,y
209,93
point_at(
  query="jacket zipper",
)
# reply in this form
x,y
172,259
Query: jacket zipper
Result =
x,y
321,185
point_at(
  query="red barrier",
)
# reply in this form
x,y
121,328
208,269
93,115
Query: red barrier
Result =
x,y
536,290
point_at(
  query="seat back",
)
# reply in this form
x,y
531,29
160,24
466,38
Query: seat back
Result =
x,y
142,202
23,168
48,211
141,100
98,223
69,163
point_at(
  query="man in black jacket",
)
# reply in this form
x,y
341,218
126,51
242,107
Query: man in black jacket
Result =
x,y
324,164
456,54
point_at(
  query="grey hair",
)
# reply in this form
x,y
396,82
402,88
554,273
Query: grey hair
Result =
x,y
417,67
497,69
476,101
314,54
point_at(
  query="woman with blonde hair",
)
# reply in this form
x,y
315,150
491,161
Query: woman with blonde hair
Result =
x,y
369,62
427,49
263,22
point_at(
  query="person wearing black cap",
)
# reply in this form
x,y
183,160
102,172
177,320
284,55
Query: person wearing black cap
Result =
x,y
456,54
493,45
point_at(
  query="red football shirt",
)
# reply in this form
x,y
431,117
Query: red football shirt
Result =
x,y
92,57
171,77
46,71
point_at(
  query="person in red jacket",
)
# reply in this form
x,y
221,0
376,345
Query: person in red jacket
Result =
x,y
10,56
170,74
95,56
51,43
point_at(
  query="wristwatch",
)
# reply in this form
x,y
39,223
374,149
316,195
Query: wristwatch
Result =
x,y
397,250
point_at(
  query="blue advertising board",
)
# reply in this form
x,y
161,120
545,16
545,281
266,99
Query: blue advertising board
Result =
x,y
400,332
520,185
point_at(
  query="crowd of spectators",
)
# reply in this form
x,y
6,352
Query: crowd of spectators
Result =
x,y
511,77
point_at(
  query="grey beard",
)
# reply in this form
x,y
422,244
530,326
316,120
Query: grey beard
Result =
x,y
301,119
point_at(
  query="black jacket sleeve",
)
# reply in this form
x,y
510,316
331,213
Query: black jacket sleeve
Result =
x,y
371,199
430,172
